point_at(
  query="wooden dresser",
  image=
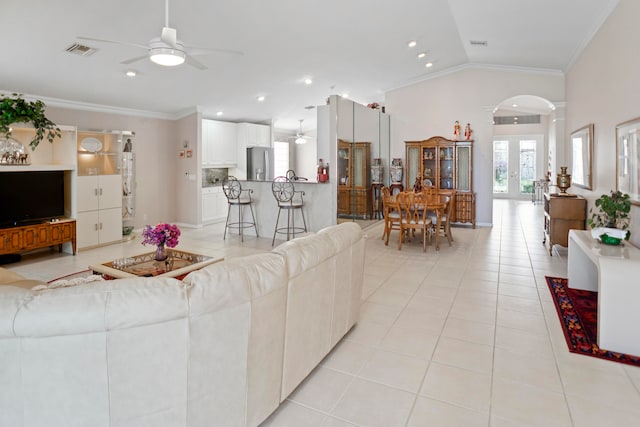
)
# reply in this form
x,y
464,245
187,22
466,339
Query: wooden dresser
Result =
x,y
561,214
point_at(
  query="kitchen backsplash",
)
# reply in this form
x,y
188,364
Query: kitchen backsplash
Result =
x,y
213,176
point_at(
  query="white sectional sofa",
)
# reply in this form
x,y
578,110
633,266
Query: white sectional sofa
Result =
x,y
223,347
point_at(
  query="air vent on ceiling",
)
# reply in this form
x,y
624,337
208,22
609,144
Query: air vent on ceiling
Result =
x,y
309,107
517,120
80,49
478,42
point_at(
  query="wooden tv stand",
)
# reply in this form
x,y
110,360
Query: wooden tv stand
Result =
x,y
28,237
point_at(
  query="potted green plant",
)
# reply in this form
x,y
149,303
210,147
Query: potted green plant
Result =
x,y
15,109
611,212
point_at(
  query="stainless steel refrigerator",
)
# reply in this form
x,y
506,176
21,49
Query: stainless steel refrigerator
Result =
x,y
259,164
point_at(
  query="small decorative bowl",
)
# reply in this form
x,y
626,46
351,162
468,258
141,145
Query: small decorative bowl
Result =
x,y
608,240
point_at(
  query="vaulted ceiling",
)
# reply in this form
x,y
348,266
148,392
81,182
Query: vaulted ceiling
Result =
x,y
357,47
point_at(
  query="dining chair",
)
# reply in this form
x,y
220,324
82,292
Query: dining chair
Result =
x,y
413,216
445,218
391,213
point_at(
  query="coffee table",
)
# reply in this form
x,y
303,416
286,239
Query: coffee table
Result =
x,y
178,263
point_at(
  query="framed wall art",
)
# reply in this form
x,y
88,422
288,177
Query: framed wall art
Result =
x,y
581,155
628,159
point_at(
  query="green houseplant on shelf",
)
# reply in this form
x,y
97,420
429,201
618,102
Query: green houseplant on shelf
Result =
x,y
15,109
610,217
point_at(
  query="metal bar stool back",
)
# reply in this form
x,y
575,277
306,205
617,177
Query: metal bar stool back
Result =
x,y
237,196
289,199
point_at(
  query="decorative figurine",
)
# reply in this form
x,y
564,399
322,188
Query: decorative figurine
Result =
x,y
456,130
468,132
417,186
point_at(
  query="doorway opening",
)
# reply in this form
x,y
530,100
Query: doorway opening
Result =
x,y
524,145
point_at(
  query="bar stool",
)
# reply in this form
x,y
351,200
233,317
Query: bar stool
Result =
x,y
236,196
287,198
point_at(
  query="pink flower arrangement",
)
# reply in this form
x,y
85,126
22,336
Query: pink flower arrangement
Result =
x,y
161,234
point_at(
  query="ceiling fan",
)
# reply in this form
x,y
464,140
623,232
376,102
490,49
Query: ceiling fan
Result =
x,y
167,50
300,137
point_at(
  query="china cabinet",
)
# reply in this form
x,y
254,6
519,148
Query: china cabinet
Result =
x,y
447,165
561,214
354,179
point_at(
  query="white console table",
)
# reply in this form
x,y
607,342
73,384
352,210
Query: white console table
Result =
x,y
613,272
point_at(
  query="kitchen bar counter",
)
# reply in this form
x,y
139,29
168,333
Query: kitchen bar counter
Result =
x,y
317,211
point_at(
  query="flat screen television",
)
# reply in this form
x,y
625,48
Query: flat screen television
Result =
x,y
30,197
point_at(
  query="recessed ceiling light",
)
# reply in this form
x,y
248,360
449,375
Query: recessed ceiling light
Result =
x,y
261,98
422,55
514,105
412,43
345,95
429,64
131,73
308,81
219,113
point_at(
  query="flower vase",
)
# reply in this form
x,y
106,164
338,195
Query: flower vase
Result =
x,y
396,170
563,180
161,253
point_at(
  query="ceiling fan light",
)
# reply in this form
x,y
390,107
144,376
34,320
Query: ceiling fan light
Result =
x,y
167,56
301,140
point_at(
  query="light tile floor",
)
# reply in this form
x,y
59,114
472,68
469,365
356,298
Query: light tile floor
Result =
x,y
461,337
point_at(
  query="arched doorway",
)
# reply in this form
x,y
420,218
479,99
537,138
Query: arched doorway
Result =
x,y
524,145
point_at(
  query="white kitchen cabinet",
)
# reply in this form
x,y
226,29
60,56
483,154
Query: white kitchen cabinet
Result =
x,y
254,135
99,201
214,204
250,135
219,141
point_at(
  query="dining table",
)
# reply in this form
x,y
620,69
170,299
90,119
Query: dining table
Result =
x,y
438,204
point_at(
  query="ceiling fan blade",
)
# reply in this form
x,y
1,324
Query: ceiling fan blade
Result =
x,y
169,36
189,60
199,51
112,41
136,59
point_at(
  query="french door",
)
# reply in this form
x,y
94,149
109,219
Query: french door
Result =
x,y
517,163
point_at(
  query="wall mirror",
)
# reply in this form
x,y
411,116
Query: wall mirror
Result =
x,y
581,155
628,159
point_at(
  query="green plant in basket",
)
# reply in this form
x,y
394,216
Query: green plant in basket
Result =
x,y
611,211
16,110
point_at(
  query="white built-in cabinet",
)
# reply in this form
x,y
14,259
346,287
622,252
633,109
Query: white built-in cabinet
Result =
x,y
219,143
214,204
99,203
250,135
254,135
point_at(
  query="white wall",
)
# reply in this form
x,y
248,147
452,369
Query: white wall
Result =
x,y
188,173
603,88
430,108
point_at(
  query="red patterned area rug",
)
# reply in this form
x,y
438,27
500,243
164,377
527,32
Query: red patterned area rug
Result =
x,y
578,313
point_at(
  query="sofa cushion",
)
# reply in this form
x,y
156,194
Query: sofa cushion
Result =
x,y
306,252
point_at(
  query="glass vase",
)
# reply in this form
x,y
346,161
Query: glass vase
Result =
x,y
161,253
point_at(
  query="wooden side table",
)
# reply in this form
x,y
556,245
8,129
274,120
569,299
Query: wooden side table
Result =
x,y
376,200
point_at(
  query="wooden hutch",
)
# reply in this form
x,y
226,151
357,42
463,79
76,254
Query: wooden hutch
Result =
x,y
354,179
448,166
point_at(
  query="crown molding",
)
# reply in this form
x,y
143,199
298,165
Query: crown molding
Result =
x,y
606,11
98,108
477,66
